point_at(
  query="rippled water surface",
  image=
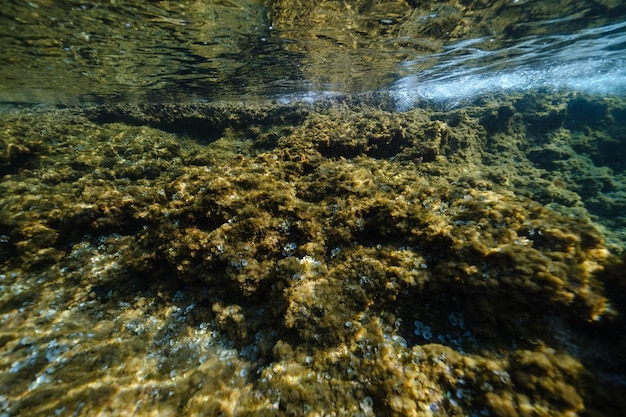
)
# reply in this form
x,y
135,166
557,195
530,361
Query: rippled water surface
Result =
x,y
72,51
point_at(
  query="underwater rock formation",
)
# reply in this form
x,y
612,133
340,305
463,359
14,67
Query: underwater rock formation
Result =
x,y
308,259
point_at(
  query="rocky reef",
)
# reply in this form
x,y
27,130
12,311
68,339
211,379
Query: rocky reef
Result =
x,y
334,258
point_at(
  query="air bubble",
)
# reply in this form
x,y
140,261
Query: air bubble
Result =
x,y
427,333
456,319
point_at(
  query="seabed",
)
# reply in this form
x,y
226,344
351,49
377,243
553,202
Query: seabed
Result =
x,y
329,258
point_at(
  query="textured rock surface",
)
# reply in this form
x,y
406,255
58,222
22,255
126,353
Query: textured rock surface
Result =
x,y
313,259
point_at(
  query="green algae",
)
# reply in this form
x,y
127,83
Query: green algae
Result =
x,y
280,260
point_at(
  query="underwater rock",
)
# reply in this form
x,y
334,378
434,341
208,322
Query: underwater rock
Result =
x,y
357,261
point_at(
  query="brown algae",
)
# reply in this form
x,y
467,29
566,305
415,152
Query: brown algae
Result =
x,y
334,258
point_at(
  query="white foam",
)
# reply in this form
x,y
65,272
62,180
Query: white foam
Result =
x,y
590,61
594,77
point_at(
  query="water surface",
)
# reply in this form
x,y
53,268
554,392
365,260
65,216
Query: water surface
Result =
x,y
71,52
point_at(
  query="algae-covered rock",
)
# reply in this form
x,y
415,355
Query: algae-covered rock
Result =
x,y
341,259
